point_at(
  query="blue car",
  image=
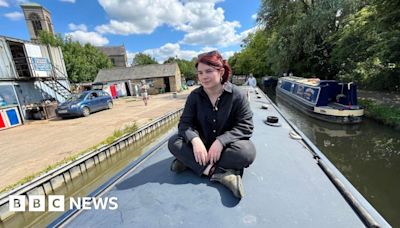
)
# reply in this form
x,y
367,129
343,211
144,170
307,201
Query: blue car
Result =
x,y
85,103
190,83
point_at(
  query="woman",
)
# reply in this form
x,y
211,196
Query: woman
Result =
x,y
215,127
144,92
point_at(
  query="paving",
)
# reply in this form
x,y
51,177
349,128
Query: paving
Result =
x,y
32,147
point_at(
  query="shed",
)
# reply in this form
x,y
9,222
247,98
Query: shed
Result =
x,y
159,77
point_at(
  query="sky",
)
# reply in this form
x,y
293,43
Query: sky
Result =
x,y
160,28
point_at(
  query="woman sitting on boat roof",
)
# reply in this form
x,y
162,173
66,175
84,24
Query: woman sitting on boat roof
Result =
x,y
215,127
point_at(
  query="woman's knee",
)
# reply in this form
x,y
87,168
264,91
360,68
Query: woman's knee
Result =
x,y
175,144
247,151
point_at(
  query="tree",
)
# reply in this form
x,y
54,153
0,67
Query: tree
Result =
x,y
350,40
187,68
302,29
82,62
254,56
143,59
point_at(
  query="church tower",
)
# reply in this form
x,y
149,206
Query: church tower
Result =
x,y
37,19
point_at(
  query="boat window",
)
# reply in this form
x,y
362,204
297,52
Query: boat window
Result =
x,y
287,86
300,90
310,94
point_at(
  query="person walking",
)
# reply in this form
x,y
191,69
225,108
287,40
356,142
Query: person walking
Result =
x,y
144,91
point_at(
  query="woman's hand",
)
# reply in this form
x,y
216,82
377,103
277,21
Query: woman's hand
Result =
x,y
214,153
199,151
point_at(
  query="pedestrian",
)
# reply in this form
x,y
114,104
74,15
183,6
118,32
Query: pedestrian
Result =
x,y
215,127
251,81
144,92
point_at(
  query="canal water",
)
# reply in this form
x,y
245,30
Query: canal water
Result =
x,y
368,154
93,178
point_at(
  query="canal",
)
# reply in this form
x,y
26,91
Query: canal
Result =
x,y
368,154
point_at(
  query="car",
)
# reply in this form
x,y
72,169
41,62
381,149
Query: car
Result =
x,y
84,103
190,82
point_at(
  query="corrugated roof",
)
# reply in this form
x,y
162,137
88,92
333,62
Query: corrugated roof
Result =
x,y
112,50
136,72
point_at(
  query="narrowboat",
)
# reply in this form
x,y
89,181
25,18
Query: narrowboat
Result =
x,y
327,100
269,81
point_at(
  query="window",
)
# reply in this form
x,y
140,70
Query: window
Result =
x,y
36,23
49,25
7,95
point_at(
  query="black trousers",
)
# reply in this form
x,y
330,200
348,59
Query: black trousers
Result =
x,y
237,155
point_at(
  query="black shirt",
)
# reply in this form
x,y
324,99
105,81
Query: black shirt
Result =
x,y
230,120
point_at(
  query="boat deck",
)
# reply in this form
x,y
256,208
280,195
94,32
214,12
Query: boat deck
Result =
x,y
285,187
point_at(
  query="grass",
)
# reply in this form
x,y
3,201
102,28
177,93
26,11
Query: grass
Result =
x,y
382,113
130,128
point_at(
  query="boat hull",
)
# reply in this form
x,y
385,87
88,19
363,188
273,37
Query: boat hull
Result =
x,y
309,110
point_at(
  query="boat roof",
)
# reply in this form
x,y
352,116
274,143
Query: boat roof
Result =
x,y
284,187
306,81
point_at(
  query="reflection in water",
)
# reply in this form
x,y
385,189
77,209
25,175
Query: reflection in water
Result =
x,y
368,154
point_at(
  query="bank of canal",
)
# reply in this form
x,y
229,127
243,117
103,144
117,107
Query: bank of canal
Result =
x,y
368,154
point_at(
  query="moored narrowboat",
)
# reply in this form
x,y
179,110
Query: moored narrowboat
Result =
x,y
326,100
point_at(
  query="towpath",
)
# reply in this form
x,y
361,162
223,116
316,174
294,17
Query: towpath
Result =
x,y
385,98
30,148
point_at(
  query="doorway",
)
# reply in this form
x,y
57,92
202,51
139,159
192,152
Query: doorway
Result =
x,y
167,85
20,59
128,89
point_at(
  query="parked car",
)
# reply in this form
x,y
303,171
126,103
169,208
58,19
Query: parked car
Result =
x,y
190,82
84,103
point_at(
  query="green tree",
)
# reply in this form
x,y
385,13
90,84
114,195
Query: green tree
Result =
x,y
302,29
254,56
48,38
82,62
143,59
186,67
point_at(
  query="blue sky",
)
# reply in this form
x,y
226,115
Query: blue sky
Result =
x,y
161,28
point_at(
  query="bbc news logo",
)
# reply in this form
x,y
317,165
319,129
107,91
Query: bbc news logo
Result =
x,y
57,203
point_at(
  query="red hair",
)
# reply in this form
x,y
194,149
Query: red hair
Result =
x,y
214,59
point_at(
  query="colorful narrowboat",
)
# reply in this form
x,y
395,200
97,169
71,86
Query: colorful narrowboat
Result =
x,y
326,100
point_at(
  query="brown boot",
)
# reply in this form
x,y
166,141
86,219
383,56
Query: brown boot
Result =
x,y
177,166
230,179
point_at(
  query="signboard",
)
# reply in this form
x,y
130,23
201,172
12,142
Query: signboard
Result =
x,y
41,64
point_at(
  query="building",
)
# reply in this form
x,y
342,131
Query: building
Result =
x,y
116,54
33,77
125,81
37,19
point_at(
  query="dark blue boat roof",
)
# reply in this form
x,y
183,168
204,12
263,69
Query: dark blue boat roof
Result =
x,y
284,187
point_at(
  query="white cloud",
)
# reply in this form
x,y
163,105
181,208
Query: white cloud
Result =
x,y
203,23
14,16
80,27
4,3
222,35
123,28
140,16
245,33
88,37
70,1
254,16
174,50
227,54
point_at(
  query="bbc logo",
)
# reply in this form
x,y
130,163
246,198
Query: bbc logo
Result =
x,y
37,203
